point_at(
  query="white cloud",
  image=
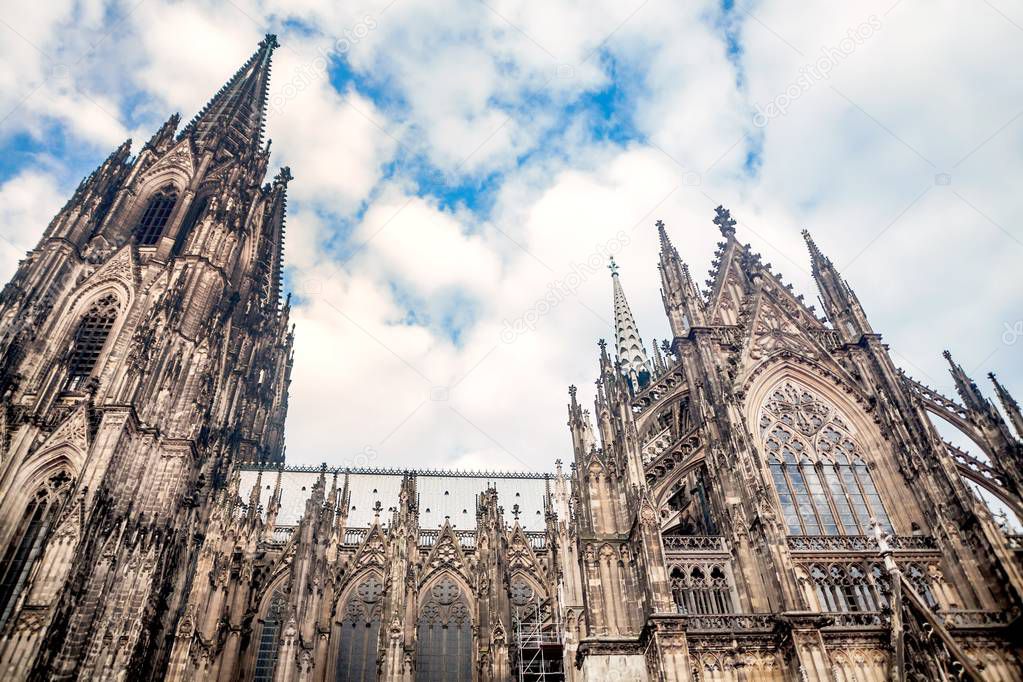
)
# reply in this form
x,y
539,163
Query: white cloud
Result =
x,y
399,343
28,202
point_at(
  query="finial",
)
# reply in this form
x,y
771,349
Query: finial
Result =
x,y
662,234
516,511
612,266
723,219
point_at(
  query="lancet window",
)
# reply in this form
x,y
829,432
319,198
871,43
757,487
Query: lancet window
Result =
x,y
90,339
154,218
28,540
360,633
269,638
444,635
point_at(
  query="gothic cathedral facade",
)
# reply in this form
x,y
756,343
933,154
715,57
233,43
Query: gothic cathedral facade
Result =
x,y
763,497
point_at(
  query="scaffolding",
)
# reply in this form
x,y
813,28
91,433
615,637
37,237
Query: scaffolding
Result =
x,y
539,646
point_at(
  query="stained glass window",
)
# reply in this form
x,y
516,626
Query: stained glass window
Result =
x,y
360,633
269,638
823,483
444,635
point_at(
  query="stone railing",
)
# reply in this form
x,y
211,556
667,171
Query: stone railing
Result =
x,y
856,619
282,534
355,536
427,538
537,540
973,618
466,538
731,622
858,543
694,544
829,338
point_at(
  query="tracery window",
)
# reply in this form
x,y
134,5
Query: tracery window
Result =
x,y
154,218
269,638
90,338
701,589
28,541
444,635
849,587
823,482
360,633
524,601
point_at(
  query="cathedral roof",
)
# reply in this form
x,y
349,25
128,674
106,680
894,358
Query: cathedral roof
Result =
x,y
442,494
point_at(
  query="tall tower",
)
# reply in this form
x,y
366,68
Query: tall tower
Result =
x,y
144,349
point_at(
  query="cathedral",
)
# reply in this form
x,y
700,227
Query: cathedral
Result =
x,y
763,497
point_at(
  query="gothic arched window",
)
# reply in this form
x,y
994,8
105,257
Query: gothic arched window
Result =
x,y
848,587
28,540
360,632
823,482
154,218
526,604
90,338
269,638
444,635
701,589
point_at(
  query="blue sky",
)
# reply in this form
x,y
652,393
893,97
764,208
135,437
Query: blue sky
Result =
x,y
454,161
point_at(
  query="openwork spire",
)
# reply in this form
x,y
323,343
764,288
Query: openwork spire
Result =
x,y
233,120
1009,404
629,345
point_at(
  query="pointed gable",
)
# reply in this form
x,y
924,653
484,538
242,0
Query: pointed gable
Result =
x,y
520,554
372,550
121,266
445,554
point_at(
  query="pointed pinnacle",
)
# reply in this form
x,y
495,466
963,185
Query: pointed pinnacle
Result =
x,y
662,233
723,219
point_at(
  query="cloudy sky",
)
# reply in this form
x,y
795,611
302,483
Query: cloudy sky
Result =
x,y
464,168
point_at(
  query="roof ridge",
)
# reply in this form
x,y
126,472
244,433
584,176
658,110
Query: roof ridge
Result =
x,y
398,471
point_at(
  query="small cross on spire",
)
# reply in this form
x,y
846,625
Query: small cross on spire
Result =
x,y
612,266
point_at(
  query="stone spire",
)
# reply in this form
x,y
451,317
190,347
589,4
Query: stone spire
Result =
x,y
840,303
233,120
965,386
683,302
659,366
628,343
1009,404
